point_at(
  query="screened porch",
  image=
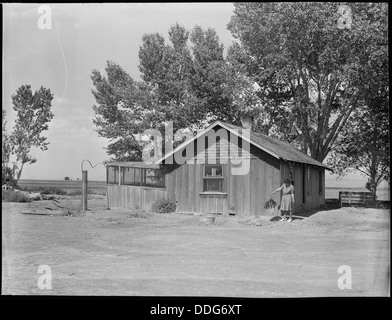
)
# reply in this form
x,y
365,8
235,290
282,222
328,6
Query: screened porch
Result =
x,y
134,184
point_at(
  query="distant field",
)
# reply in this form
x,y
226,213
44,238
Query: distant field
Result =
x,y
331,192
72,185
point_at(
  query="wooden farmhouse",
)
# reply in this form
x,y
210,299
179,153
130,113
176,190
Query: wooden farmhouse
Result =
x,y
224,169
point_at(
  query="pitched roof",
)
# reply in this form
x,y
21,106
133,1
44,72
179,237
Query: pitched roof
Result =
x,y
132,164
284,150
273,146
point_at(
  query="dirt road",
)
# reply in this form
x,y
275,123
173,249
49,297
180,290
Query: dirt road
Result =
x,y
120,252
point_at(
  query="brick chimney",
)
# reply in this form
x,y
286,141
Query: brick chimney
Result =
x,y
247,122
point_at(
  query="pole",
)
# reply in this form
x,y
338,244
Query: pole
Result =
x,y
84,190
107,188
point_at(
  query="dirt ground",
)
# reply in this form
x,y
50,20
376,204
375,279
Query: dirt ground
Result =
x,y
136,253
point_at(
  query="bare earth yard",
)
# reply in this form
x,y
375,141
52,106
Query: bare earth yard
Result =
x,y
124,252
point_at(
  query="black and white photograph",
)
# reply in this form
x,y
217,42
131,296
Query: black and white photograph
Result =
x,y
198,150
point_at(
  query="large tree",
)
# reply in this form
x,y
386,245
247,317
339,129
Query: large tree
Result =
x,y
365,143
364,147
6,172
33,113
306,65
186,80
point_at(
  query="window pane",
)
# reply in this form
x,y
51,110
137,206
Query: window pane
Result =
x,y
155,178
213,171
113,175
131,176
213,185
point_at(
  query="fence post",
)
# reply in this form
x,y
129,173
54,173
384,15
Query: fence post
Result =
x,y
84,190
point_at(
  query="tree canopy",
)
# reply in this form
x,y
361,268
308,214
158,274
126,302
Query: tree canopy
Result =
x,y
33,113
312,74
306,66
186,80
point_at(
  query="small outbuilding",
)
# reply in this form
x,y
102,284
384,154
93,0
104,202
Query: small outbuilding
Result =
x,y
224,169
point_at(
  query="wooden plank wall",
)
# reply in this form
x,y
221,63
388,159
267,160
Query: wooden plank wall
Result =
x,y
185,184
242,194
134,196
253,190
298,182
314,199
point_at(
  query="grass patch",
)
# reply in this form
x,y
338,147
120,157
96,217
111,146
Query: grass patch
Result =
x,y
74,193
12,196
54,190
43,190
78,192
28,188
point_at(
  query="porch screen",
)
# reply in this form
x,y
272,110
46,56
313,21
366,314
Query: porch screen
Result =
x,y
154,178
112,175
131,176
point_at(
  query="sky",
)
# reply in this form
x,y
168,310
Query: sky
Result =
x,y
82,37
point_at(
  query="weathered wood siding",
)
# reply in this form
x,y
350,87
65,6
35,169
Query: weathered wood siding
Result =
x,y
242,194
135,197
306,186
249,193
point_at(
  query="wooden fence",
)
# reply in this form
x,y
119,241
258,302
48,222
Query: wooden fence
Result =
x,y
136,197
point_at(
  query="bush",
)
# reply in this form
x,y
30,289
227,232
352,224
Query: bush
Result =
x,y
54,190
74,193
78,192
12,196
164,206
270,204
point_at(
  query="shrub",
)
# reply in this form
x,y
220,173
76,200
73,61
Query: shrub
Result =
x,y
12,196
74,193
54,190
164,206
270,204
78,192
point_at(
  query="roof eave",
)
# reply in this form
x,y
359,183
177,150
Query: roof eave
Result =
x,y
223,125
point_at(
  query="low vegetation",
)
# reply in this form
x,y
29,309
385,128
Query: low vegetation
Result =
x,y
78,192
164,206
59,191
270,204
54,190
13,196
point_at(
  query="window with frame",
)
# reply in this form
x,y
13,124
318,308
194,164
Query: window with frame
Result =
x,y
213,178
112,175
154,178
131,176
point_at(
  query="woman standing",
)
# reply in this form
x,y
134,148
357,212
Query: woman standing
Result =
x,y
287,202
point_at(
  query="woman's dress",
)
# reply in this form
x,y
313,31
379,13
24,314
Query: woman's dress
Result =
x,y
286,202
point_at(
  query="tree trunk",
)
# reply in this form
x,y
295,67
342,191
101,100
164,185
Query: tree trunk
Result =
x,y
16,180
371,185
